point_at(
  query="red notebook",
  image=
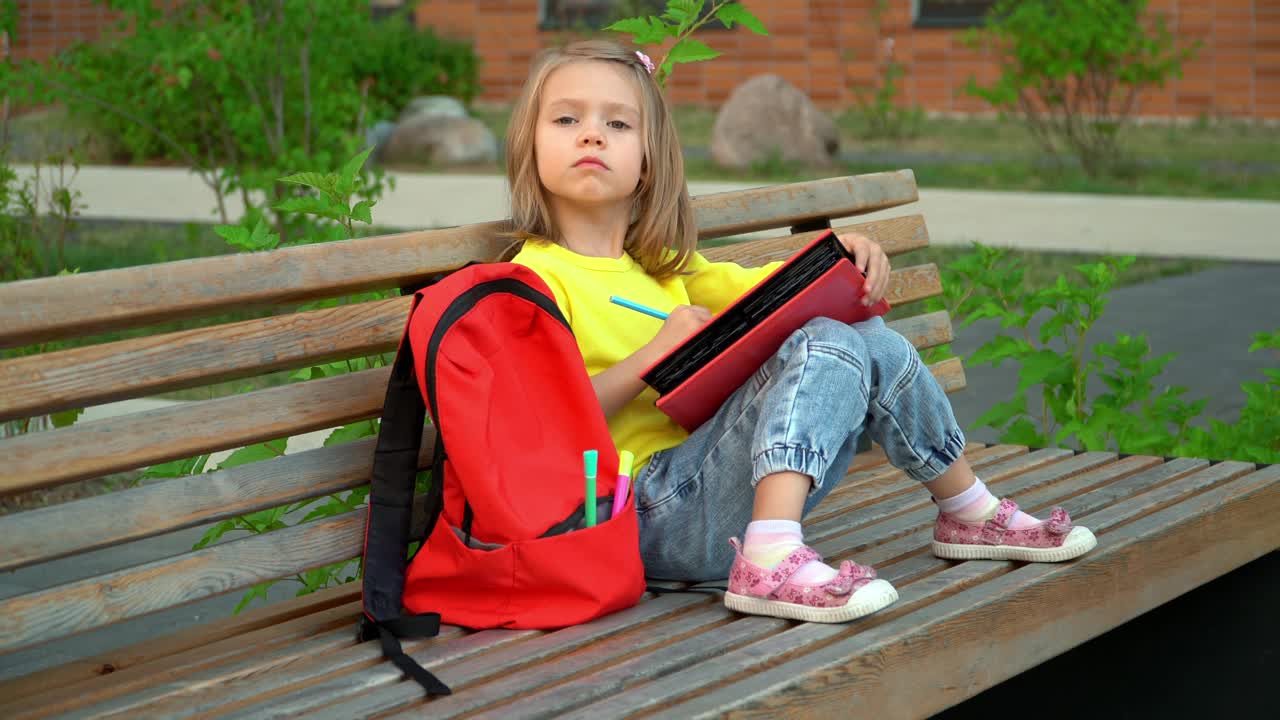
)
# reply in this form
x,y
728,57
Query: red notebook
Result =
x,y
695,378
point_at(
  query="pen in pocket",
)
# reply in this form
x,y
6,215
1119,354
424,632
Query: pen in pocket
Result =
x,y
625,459
589,458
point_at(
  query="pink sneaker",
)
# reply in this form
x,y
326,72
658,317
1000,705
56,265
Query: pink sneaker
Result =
x,y
1052,540
769,591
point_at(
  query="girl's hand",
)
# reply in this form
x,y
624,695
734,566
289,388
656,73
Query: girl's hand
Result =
x,y
684,321
871,260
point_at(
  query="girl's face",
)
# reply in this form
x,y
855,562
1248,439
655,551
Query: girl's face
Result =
x,y
589,140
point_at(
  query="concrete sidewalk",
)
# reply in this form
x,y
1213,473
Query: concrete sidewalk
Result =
x,y
1244,230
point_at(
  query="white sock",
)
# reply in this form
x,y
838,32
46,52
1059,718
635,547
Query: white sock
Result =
x,y
769,542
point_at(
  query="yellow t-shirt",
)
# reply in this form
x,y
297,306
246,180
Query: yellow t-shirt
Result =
x,y
608,333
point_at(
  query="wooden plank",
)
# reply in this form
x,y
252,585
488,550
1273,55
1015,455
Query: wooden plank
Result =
x,y
535,680
254,675
188,650
896,236
143,366
382,686
320,633
49,458
888,482
49,308
79,377
756,671
203,636
774,206
834,539
92,602
154,509
1109,483
927,661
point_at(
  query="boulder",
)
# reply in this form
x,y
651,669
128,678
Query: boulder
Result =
x,y
767,114
433,106
436,140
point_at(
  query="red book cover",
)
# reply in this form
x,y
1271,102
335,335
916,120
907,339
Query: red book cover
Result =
x,y
835,293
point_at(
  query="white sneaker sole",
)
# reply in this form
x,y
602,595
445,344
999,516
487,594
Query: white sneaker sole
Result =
x,y
1079,541
864,601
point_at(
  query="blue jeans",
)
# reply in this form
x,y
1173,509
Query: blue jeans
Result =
x,y
803,410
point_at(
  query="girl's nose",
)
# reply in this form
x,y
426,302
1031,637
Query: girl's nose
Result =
x,y
591,137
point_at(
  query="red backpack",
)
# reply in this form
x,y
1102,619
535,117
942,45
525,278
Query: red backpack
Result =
x,y
489,353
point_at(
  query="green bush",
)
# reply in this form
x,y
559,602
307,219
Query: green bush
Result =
x,y
398,62
1072,70
245,91
1052,405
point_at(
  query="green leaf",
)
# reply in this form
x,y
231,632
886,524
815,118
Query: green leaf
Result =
x,y
999,349
214,533
1023,432
233,234
347,178
644,31
324,182
1001,413
690,50
176,468
354,431
257,591
321,205
254,453
66,418
361,211
737,13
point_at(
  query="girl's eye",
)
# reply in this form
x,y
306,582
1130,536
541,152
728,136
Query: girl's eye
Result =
x,y
564,120
619,124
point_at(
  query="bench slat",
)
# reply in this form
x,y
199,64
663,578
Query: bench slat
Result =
x,y
402,695
205,645
143,512
897,235
1043,610
48,458
51,382
49,308
1122,483
856,641
79,606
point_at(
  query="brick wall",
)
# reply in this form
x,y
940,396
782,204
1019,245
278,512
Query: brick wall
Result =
x,y
829,47
46,26
826,47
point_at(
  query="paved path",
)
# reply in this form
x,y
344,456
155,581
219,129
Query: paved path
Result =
x,y
1225,229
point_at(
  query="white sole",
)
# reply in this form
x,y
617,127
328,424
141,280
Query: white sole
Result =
x,y
864,601
1079,541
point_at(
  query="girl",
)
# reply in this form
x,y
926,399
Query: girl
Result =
x,y
600,207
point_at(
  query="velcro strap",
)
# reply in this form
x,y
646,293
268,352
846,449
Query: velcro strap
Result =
x,y
773,579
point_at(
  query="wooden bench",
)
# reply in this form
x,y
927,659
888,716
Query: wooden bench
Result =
x,y
1165,525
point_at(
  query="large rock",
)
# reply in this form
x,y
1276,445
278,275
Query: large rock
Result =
x,y
436,140
433,106
767,114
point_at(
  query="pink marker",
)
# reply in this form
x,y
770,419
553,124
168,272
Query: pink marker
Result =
x,y
625,459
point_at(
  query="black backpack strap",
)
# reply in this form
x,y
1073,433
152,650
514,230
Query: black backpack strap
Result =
x,y
395,466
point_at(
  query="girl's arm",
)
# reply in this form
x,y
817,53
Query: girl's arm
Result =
x,y
621,383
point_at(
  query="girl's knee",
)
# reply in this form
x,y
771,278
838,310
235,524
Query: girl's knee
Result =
x,y
825,331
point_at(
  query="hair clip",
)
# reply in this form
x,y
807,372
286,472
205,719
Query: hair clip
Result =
x,y
648,64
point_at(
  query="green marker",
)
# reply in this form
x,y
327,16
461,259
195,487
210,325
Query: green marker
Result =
x,y
589,458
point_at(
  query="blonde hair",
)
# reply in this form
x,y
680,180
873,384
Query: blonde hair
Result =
x,y
662,235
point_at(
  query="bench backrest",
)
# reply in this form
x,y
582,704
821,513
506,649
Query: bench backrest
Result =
x,y
80,306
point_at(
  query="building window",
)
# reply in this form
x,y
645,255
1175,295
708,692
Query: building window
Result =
x,y
596,14
950,13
